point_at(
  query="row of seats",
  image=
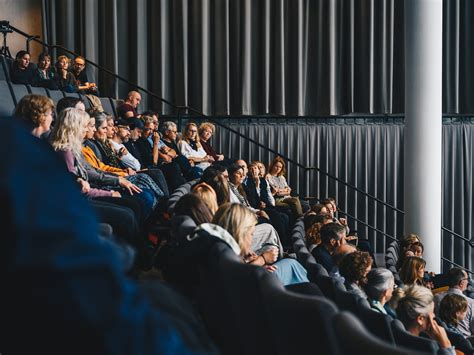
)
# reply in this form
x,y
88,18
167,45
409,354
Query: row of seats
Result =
x,y
11,94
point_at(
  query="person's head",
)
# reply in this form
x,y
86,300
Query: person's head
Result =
x,y
134,98
136,128
215,177
36,111
329,206
412,270
277,167
155,117
332,200
332,235
123,130
190,132
100,126
236,174
414,306
62,62
148,126
453,309
69,131
169,130
111,130
67,102
208,195
262,168
319,209
22,59
407,241
341,251
355,266
417,249
91,129
254,171
380,284
193,206
457,278
44,61
243,164
206,130
79,64
239,221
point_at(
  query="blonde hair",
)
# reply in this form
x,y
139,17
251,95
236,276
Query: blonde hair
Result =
x,y
69,130
409,270
205,125
208,195
32,109
186,129
237,220
276,160
410,302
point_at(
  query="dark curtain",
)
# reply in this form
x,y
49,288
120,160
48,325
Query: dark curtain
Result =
x,y
368,154
258,57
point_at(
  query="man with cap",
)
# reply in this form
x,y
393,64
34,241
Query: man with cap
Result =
x,y
122,136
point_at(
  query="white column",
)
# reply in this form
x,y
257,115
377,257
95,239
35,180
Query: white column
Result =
x,y
423,125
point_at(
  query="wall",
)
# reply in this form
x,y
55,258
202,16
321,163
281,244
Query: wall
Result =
x,y
26,16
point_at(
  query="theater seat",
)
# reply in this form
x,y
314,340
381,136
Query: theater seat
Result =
x,y
38,90
329,285
4,69
350,301
356,340
377,323
7,105
19,91
404,338
55,95
106,104
86,101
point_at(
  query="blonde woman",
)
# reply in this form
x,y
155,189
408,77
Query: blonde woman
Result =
x,y
281,190
190,146
64,78
240,222
208,195
206,130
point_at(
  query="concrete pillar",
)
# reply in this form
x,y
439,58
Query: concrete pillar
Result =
x,y
423,125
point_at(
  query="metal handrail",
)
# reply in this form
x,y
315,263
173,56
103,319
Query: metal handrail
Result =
x,y
457,265
30,38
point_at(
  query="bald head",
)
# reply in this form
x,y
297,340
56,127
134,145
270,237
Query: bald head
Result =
x,y
134,98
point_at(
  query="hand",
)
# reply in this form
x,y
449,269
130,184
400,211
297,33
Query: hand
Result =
x,y
343,221
191,162
122,151
85,186
251,257
220,157
130,171
271,255
116,194
166,158
270,268
263,214
210,159
131,188
436,332
156,137
262,205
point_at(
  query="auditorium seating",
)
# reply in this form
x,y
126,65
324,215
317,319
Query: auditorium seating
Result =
x,y
7,104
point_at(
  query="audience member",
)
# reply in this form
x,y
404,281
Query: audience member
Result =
x,y
206,130
44,76
22,70
354,267
70,101
379,289
458,281
36,112
80,73
339,253
207,194
122,136
281,190
193,206
414,307
190,146
128,109
65,80
412,271
452,311
332,236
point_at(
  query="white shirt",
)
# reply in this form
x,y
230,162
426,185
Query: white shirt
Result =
x,y
189,152
128,159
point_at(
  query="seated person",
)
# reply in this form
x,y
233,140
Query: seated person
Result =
x,y
44,76
354,267
413,271
339,253
22,70
414,306
36,112
121,136
191,148
379,289
206,130
458,281
332,235
65,80
83,84
452,311
128,109
405,245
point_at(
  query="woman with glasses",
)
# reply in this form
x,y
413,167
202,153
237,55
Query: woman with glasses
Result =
x,y
190,146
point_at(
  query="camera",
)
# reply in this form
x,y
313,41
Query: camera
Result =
x,y
5,27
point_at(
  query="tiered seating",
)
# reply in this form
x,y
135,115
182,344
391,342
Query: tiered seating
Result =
x,y
11,93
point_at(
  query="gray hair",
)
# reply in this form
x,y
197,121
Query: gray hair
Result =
x,y
412,301
167,126
379,280
100,118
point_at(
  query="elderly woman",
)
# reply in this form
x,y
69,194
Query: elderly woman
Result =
x,y
281,190
414,306
379,288
190,146
206,130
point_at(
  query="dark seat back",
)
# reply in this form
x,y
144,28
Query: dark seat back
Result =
x,y
349,301
55,95
19,90
329,285
377,323
356,340
7,105
107,106
410,341
37,90
177,194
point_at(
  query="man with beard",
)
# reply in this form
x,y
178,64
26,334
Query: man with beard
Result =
x,y
122,136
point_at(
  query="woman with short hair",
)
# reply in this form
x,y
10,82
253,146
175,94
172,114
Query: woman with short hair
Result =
x,y
36,111
379,288
354,267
